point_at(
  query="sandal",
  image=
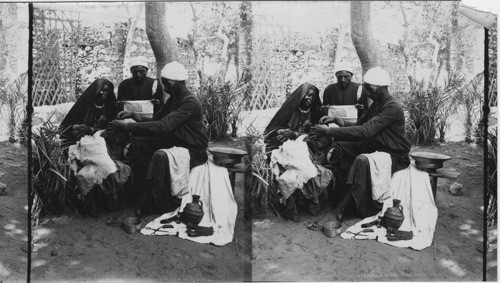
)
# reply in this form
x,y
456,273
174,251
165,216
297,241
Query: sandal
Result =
x,y
113,222
314,226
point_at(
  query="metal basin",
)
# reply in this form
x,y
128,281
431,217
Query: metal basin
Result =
x,y
131,224
429,161
332,228
227,156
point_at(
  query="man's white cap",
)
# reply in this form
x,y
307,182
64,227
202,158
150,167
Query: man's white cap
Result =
x,y
175,71
377,76
139,61
344,66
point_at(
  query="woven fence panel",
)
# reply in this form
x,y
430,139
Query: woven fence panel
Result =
x,y
55,49
269,64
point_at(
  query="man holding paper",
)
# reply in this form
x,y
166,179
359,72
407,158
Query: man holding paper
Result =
x,y
345,92
140,88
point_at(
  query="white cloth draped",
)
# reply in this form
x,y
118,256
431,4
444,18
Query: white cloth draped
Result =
x,y
412,187
211,183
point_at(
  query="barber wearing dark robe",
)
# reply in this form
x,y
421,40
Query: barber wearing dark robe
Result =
x,y
140,86
381,128
178,123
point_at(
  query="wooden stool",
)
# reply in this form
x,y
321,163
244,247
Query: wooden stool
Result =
x,y
441,173
237,168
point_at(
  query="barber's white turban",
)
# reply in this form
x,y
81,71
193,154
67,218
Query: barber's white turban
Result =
x,y
344,66
377,76
139,61
175,71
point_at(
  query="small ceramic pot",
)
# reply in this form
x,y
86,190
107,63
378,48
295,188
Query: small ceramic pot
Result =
x,y
332,228
131,224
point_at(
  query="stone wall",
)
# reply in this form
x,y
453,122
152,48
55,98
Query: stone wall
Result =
x,y
101,55
312,59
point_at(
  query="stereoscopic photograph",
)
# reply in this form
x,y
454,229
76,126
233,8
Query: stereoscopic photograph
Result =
x,y
248,141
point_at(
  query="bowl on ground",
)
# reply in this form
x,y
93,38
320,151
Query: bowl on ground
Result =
x,y
332,228
131,224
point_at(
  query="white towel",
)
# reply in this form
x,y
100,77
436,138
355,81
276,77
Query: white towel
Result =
x,y
211,183
412,187
380,173
178,161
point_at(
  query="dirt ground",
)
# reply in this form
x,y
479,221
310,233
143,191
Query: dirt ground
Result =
x,y
13,213
78,248
82,248
284,250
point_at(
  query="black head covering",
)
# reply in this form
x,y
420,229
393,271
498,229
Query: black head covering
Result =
x,y
284,114
81,112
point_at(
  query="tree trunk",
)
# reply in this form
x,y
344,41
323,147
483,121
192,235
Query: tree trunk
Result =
x,y
163,45
245,49
361,34
403,46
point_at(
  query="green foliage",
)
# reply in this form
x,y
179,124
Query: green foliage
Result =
x,y
422,105
260,176
221,106
50,168
429,107
13,95
470,99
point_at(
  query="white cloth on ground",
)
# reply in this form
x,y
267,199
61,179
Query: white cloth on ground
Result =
x,y
178,164
211,183
380,173
412,187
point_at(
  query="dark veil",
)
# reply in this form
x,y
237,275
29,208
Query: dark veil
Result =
x,y
78,113
284,114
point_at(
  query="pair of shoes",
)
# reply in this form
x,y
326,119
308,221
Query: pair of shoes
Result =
x,y
314,226
398,235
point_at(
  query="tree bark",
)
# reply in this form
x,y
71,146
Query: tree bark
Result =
x,y
361,35
245,50
163,45
245,40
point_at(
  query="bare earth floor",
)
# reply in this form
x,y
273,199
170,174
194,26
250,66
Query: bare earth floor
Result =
x,y
284,250
74,247
82,248
13,213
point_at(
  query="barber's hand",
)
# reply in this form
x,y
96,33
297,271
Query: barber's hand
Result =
x,y
120,103
81,130
326,119
319,130
126,114
359,106
116,126
155,101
